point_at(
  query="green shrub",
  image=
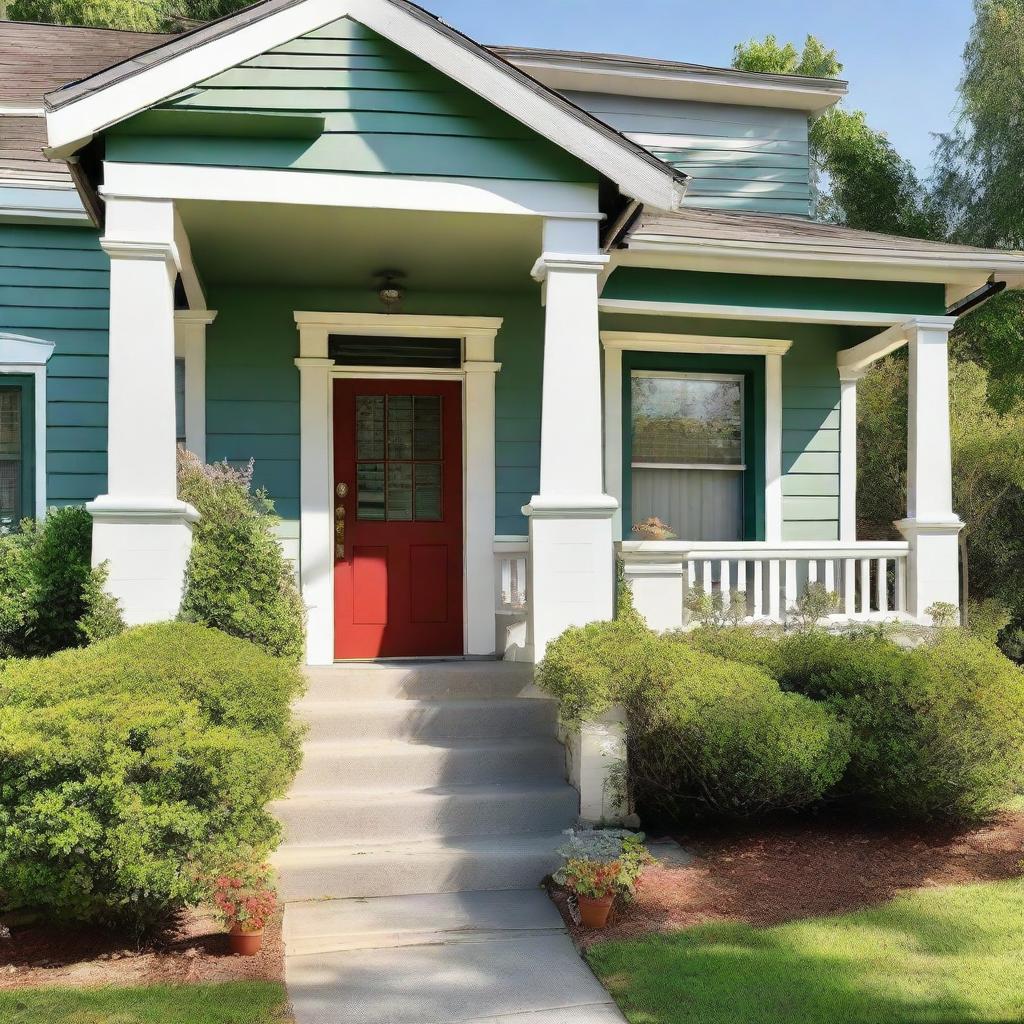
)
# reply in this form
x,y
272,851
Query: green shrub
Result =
x,y
705,734
50,596
937,730
237,578
129,768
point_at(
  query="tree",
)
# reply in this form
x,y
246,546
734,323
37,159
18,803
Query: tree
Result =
x,y
129,15
869,185
979,166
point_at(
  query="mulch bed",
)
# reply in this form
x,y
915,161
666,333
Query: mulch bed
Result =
x,y
194,950
807,868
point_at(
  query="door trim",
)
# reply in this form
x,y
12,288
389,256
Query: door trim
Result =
x,y
316,415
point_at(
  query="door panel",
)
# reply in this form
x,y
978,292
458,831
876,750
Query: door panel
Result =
x,y
398,552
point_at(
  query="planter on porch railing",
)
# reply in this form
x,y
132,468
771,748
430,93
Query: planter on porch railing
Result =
x,y
769,579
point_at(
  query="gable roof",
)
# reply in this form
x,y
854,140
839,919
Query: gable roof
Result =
x,y
76,112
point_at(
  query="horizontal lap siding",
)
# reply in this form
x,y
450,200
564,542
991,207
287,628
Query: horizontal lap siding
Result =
x,y
252,385
54,285
740,158
384,111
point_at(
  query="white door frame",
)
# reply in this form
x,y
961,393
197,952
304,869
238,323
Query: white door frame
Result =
x,y
318,372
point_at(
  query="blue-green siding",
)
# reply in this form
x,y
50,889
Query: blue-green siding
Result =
x,y
54,285
383,111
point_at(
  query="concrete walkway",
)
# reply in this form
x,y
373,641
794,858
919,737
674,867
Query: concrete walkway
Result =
x,y
428,808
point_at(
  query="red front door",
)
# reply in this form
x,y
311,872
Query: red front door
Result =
x,y
398,516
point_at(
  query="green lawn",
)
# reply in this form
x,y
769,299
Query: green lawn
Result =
x,y
943,956
233,1003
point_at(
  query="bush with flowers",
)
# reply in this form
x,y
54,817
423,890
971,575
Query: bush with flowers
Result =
x,y
245,896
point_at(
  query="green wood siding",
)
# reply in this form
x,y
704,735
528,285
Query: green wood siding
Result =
x,y
54,286
740,158
775,292
383,112
252,385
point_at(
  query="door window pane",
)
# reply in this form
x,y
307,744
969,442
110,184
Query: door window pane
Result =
x,y
428,491
400,426
427,427
370,427
370,490
399,491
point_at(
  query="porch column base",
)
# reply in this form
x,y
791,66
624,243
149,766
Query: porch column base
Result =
x,y
145,545
595,762
933,570
572,568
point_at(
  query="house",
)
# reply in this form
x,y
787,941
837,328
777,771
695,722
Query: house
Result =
x,y
474,311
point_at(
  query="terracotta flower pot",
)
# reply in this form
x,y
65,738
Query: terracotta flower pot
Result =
x,y
245,943
594,912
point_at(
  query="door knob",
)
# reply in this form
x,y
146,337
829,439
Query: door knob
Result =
x,y
339,523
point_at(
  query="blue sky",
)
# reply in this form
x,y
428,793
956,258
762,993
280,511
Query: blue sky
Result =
x,y
902,57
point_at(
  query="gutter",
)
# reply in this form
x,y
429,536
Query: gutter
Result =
x,y
977,297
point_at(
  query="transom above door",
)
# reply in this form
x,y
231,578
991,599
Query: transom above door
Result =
x,y
398,552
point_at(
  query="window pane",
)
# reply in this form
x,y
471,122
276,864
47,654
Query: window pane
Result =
x,y
179,400
697,504
399,491
370,427
370,490
428,491
687,420
10,422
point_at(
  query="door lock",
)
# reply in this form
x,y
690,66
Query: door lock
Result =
x,y
339,523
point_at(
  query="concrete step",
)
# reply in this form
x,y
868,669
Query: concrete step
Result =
x,y
426,720
515,979
320,818
451,864
377,765
329,926
434,680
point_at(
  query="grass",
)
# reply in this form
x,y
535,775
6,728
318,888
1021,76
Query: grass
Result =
x,y
939,956
230,1003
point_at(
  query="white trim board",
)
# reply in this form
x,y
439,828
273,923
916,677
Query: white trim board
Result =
x,y
769,314
28,357
477,374
562,200
190,344
76,114
643,341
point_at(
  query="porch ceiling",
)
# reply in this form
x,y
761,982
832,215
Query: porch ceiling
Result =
x,y
288,244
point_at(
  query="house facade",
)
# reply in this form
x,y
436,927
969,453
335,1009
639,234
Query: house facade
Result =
x,y
474,312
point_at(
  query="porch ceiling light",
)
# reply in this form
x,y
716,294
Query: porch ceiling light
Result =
x,y
389,291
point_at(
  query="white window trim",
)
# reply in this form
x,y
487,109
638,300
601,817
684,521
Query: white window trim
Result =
x,y
477,374
772,349
190,345
27,357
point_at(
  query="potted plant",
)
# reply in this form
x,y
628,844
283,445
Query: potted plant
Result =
x,y
652,528
600,865
594,883
245,897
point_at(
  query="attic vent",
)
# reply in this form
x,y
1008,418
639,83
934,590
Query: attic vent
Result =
x,y
356,350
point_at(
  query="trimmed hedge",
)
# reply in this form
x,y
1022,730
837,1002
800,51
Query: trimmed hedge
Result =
x,y
129,768
937,730
705,734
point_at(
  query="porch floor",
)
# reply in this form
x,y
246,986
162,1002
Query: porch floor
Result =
x,y
428,808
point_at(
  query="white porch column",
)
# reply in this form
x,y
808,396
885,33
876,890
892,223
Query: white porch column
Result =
x,y
140,528
316,518
848,453
572,567
773,447
931,526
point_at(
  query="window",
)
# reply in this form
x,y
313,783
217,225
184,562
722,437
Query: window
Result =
x,y
13,455
179,400
688,452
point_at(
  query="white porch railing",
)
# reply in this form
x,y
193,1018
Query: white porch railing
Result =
x,y
510,575
868,578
